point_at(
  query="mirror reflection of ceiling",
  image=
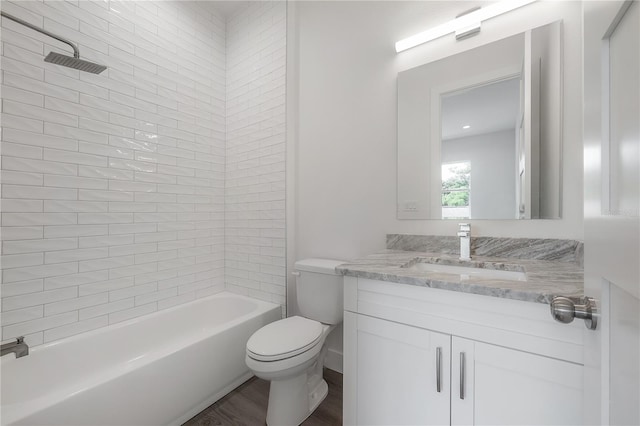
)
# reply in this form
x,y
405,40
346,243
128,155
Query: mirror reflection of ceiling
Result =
x,y
228,8
485,109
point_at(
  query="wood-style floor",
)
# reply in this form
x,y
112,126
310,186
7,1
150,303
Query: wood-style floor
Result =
x,y
247,406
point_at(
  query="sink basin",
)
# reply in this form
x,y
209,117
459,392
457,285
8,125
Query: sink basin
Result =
x,y
466,272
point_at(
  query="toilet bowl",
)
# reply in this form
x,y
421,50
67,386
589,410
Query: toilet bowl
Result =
x,y
295,370
290,352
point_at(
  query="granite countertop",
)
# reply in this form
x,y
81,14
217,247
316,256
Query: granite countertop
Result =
x,y
545,278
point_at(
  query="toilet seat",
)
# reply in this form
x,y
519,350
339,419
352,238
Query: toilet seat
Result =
x,y
284,339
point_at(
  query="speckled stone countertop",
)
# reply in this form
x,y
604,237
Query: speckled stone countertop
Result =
x,y
545,278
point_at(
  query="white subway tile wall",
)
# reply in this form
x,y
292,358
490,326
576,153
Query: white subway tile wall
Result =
x,y
113,185
255,152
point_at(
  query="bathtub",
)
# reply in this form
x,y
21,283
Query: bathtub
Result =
x,y
159,369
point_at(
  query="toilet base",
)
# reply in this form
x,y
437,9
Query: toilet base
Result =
x,y
318,395
292,400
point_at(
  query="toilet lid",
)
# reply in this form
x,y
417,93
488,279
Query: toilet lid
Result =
x,y
284,339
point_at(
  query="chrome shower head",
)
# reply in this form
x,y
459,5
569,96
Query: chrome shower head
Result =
x,y
56,58
75,63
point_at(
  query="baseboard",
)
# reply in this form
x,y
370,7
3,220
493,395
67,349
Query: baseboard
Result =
x,y
333,360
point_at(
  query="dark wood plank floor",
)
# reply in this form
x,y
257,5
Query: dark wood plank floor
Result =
x,y
247,406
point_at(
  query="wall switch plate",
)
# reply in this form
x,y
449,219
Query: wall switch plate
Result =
x,y
410,206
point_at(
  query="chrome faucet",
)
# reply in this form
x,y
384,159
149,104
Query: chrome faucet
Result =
x,y
464,232
19,347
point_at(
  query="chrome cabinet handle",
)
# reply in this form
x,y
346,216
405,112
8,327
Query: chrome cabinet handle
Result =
x,y
462,362
564,310
438,369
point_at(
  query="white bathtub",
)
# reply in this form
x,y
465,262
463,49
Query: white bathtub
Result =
x,y
155,370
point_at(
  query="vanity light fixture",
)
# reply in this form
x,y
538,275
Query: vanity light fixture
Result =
x,y
464,25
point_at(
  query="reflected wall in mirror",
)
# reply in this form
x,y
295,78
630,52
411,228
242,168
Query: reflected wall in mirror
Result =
x,y
478,127
479,133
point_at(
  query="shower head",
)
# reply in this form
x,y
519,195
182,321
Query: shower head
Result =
x,y
56,58
76,63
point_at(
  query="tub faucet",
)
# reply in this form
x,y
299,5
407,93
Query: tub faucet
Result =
x,y
19,347
464,232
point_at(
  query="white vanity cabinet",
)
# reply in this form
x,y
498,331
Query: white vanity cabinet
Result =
x,y
396,385
419,356
501,386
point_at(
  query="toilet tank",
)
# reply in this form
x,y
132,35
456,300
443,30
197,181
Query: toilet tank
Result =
x,y
319,290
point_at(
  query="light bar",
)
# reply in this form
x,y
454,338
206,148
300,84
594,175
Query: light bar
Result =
x,y
463,22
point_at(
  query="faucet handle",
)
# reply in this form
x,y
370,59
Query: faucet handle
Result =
x,y
464,227
20,340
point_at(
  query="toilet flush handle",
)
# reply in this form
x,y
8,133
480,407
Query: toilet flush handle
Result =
x,y
295,273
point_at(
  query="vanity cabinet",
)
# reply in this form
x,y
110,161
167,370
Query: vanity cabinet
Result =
x,y
501,386
401,374
420,356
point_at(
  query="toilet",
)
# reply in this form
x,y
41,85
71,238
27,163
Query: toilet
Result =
x,y
290,352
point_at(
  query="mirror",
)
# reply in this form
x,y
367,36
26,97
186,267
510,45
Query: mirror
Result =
x,y
479,133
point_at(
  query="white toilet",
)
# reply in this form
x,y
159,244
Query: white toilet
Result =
x,y
290,352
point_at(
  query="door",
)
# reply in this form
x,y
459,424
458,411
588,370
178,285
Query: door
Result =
x,y
612,210
398,368
493,385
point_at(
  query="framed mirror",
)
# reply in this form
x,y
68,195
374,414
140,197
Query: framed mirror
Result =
x,y
479,133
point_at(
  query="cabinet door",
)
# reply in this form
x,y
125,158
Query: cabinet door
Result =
x,y
500,386
397,373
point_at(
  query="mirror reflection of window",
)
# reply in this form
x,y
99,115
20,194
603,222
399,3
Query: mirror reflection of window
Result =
x,y
478,125
456,190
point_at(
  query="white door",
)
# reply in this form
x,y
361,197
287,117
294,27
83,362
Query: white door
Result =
x,y
492,385
397,374
612,210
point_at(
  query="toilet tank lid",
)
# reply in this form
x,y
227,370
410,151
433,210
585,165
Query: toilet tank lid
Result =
x,y
322,266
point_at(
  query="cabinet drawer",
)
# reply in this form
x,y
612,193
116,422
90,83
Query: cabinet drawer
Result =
x,y
525,326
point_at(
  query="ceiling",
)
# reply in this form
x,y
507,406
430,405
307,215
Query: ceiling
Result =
x,y
486,109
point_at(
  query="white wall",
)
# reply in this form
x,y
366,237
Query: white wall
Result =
x,y
346,130
255,258
493,171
